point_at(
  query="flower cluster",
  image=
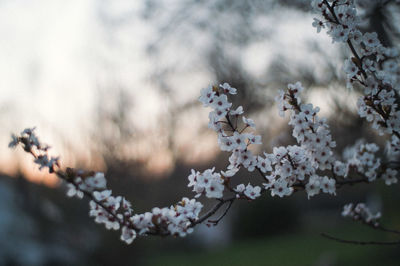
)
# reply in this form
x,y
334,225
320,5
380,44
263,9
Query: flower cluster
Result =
x,y
84,181
230,124
310,165
284,171
372,66
394,146
287,168
341,25
209,183
361,157
315,151
175,220
311,132
360,212
115,212
249,191
31,144
390,176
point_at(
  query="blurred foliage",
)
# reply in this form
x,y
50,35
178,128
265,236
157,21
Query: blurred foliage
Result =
x,y
265,217
307,248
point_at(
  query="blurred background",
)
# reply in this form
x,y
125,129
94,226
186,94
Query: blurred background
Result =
x,y
113,85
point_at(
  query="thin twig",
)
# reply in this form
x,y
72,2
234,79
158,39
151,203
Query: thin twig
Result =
x,y
211,212
215,222
356,242
351,181
384,229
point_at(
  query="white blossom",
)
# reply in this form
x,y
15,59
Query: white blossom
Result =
x,y
390,176
128,235
252,192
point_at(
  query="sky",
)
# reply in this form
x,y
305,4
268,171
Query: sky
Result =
x,y
59,56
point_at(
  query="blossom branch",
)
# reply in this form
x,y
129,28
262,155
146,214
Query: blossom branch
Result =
x,y
362,213
378,105
286,170
349,43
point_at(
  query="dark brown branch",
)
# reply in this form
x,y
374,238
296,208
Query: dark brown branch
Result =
x,y
356,242
215,222
212,211
351,181
384,229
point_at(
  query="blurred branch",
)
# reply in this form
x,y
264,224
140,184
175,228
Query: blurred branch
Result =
x,y
356,242
215,222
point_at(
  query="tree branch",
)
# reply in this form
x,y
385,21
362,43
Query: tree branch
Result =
x,y
356,242
215,222
212,211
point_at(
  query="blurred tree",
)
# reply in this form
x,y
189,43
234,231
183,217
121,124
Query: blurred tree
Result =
x,y
212,37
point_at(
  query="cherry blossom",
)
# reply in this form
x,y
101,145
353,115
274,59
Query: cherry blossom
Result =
x,y
252,192
390,176
311,165
361,212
